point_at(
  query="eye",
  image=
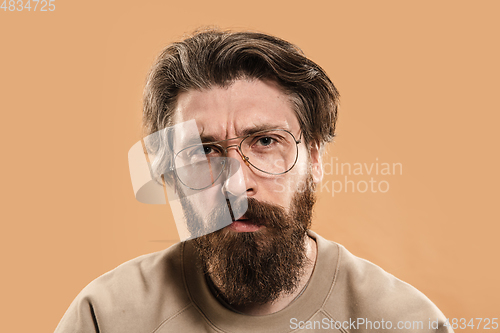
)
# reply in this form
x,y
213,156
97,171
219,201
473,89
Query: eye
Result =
x,y
265,141
203,150
208,150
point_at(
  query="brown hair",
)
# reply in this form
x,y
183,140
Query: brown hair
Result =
x,y
215,57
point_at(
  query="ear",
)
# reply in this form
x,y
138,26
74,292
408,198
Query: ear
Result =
x,y
316,161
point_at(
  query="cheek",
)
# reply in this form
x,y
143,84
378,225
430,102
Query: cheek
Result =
x,y
281,190
208,199
287,185
301,169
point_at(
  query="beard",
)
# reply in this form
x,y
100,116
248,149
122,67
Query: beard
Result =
x,y
257,267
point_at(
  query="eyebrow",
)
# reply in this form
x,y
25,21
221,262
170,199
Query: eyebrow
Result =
x,y
259,128
207,138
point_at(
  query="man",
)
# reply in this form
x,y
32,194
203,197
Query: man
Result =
x,y
257,100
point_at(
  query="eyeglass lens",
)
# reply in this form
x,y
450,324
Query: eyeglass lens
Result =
x,y
273,152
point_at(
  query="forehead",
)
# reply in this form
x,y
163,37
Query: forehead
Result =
x,y
232,111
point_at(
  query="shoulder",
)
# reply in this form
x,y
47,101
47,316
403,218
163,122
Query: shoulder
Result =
x,y
141,276
364,290
368,282
149,288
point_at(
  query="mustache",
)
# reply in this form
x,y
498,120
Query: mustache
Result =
x,y
265,214
257,212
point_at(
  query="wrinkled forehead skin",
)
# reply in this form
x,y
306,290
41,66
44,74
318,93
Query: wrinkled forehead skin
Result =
x,y
225,112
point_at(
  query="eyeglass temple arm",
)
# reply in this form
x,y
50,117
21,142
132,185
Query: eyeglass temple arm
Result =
x,y
300,138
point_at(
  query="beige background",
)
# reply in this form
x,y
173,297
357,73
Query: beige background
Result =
x,y
419,82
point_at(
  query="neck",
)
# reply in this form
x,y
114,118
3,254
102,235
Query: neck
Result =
x,y
284,300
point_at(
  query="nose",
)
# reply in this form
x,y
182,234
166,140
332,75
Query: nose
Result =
x,y
243,180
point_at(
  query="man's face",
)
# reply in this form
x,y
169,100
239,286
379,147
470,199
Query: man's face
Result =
x,y
224,113
272,232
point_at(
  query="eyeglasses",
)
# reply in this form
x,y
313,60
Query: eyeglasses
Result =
x,y
273,152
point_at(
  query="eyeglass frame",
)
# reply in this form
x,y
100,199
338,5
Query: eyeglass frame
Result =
x,y
245,158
